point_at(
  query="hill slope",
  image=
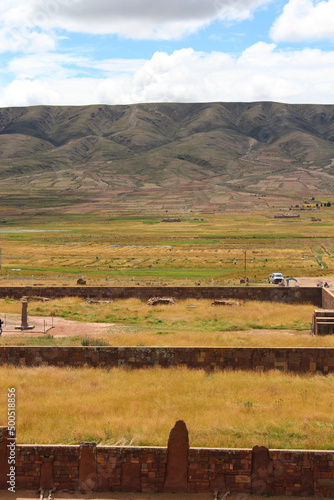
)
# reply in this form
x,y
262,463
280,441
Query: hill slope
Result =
x,y
166,156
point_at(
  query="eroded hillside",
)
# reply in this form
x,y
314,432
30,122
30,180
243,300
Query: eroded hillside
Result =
x,y
166,156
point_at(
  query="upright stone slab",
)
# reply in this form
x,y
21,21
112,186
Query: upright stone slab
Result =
x,y
24,318
4,455
262,471
176,480
131,477
88,480
46,480
307,488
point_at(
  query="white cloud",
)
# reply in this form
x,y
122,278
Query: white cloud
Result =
x,y
150,18
41,65
262,72
60,66
18,33
304,20
144,19
14,39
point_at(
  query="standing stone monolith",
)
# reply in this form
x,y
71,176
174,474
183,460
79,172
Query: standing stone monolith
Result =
x,y
88,480
4,456
24,318
176,480
262,471
46,481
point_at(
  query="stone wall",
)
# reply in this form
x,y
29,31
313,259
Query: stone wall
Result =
x,y
311,295
88,467
4,456
327,299
298,360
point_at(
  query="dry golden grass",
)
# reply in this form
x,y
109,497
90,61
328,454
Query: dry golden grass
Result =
x,y
210,339
252,338
257,324
229,409
191,315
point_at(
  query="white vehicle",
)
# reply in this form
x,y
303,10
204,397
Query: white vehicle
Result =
x,y
276,278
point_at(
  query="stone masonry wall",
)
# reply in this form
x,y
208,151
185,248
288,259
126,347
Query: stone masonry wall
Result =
x,y
65,465
327,299
311,295
298,360
88,467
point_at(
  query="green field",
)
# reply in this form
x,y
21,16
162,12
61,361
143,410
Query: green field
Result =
x,y
59,248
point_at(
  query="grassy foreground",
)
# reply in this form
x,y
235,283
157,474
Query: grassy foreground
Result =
x,y
230,409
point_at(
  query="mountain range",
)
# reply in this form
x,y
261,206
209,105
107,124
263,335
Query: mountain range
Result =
x,y
166,156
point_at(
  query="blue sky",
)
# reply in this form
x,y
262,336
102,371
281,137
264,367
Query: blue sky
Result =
x,y
121,52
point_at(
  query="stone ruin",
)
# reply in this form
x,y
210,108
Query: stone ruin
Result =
x,y
226,302
24,318
154,301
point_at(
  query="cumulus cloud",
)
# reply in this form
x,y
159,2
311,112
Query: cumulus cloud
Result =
x,y
19,40
262,72
145,19
18,33
304,20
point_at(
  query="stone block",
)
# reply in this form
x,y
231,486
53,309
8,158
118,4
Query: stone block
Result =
x,y
177,461
262,471
88,467
131,477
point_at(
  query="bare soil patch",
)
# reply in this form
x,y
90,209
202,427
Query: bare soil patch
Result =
x,y
312,281
61,327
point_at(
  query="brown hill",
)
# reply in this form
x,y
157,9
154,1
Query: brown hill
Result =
x,y
166,156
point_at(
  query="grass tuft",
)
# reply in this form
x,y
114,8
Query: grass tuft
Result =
x,y
91,341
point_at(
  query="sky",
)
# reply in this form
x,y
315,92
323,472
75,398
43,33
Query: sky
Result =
x,y
78,52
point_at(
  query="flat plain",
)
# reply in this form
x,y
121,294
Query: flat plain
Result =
x,y
206,248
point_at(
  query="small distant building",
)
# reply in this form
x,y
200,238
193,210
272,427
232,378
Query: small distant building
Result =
x,y
166,219
287,216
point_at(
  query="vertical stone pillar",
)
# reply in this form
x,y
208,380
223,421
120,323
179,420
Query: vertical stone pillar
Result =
x,y
4,455
262,472
24,316
46,479
176,480
88,480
